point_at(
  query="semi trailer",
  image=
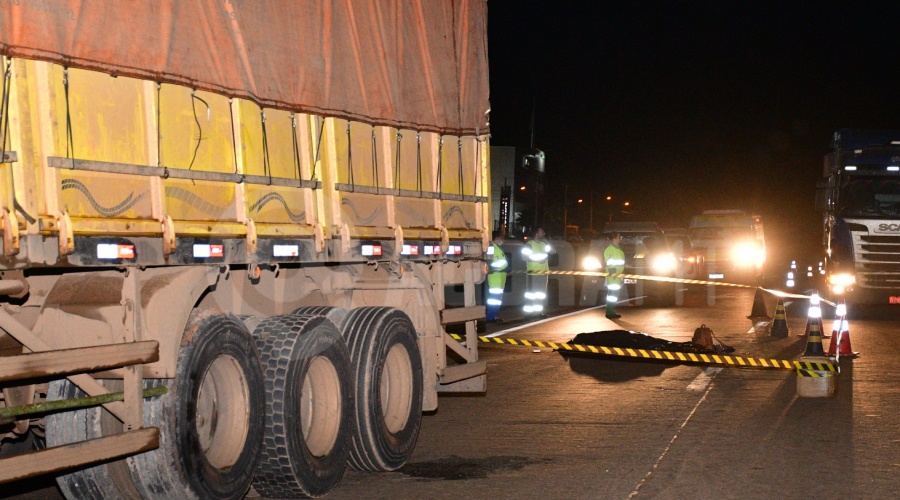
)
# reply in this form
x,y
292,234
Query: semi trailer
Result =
x,y
227,231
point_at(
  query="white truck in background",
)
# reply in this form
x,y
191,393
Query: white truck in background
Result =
x,y
733,244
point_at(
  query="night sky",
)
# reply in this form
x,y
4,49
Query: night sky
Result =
x,y
686,106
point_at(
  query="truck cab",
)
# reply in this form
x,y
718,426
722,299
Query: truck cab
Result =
x,y
859,195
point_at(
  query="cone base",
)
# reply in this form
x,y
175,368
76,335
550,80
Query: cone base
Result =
x,y
823,383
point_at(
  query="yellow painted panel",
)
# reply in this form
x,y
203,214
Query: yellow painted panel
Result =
x,y
459,215
356,150
280,131
411,154
200,200
275,204
100,194
251,139
414,212
359,209
107,116
450,167
200,123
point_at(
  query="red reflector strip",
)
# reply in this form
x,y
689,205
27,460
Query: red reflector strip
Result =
x,y
371,250
206,251
114,251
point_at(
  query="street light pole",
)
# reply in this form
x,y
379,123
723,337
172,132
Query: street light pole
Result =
x,y
591,211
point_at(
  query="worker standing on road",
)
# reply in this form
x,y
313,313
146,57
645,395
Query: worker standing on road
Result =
x,y
614,258
496,279
536,253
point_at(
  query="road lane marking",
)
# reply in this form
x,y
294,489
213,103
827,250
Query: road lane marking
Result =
x,y
703,379
669,446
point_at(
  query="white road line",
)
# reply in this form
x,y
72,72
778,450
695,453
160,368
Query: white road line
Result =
x,y
704,379
509,330
660,459
758,326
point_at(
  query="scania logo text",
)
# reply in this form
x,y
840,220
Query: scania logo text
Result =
x,y
892,227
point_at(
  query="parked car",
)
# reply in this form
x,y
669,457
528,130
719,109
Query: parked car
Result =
x,y
690,260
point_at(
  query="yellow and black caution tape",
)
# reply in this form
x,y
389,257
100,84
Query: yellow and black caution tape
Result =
x,y
633,276
667,279
713,359
804,372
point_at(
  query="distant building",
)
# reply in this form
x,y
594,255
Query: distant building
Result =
x,y
518,197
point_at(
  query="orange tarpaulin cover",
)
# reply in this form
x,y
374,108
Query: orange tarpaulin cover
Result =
x,y
418,64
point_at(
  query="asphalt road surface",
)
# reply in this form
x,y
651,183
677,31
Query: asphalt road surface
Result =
x,y
557,427
552,426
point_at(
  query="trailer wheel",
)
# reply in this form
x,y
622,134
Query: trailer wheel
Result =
x,y
387,368
104,481
211,420
337,315
309,404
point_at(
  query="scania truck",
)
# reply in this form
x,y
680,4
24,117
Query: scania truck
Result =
x,y
859,196
227,231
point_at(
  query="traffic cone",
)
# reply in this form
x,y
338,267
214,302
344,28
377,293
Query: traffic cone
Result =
x,y
759,306
839,314
814,328
779,325
840,341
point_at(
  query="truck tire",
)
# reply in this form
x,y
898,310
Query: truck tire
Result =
x,y
104,481
211,420
337,315
387,369
309,406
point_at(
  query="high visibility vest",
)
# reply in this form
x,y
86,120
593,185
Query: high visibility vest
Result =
x,y
615,264
536,255
497,268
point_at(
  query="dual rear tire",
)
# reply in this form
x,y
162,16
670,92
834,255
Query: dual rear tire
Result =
x,y
210,423
296,398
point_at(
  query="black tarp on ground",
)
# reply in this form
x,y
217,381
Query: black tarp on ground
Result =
x,y
636,340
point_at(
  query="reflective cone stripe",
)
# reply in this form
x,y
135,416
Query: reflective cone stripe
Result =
x,y
779,325
814,340
840,343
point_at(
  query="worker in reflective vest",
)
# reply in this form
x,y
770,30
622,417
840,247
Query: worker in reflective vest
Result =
x,y
536,253
496,279
614,258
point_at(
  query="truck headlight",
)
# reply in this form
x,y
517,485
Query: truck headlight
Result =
x,y
664,263
745,254
591,263
842,280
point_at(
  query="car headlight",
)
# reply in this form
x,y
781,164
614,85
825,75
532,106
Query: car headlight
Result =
x,y
842,280
745,254
591,263
664,263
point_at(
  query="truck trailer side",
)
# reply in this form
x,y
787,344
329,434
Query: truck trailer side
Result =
x,y
227,231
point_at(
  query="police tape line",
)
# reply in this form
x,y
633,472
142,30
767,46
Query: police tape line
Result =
x,y
633,276
803,372
714,359
667,279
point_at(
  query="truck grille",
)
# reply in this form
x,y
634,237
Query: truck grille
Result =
x,y
878,263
